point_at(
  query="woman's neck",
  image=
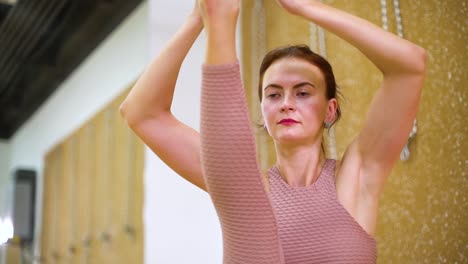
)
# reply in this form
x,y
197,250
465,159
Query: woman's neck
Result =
x,y
300,165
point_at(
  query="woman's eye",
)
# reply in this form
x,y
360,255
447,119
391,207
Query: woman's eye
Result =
x,y
302,94
273,95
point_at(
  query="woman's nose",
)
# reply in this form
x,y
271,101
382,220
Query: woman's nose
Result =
x,y
288,104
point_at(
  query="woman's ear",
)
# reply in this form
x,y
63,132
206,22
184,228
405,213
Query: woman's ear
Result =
x,y
331,111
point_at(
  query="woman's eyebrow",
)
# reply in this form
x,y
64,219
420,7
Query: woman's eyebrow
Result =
x,y
303,84
277,86
272,85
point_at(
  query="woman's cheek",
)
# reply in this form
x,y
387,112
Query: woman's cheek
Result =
x,y
314,108
268,115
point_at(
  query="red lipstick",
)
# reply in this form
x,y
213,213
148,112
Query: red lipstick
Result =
x,y
287,121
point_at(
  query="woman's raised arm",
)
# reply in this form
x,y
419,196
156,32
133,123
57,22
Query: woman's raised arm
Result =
x,y
147,108
229,155
394,106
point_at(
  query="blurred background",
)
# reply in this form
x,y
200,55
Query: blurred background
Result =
x,y
76,186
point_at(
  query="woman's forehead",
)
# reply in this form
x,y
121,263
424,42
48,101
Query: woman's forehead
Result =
x,y
290,69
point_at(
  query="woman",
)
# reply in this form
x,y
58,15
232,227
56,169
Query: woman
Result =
x,y
309,209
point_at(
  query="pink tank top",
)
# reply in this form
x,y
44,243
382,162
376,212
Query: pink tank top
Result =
x,y
294,225
314,227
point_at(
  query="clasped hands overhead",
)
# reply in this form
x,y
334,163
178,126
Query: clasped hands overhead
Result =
x,y
215,11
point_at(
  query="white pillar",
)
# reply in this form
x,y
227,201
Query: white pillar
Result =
x,y
181,225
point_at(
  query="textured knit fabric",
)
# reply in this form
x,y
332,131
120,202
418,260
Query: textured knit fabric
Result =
x,y
289,225
313,225
232,176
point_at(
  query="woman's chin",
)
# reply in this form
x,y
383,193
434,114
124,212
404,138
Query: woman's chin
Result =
x,y
289,138
292,138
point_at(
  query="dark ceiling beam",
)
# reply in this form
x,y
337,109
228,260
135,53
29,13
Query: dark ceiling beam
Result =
x,y
23,43
13,28
58,46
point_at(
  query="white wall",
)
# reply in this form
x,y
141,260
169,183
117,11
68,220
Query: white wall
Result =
x,y
4,158
5,187
5,177
181,225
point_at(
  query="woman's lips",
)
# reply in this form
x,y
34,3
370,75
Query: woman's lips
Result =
x,y
287,121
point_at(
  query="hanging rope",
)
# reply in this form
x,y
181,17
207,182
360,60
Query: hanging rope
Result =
x,y
317,43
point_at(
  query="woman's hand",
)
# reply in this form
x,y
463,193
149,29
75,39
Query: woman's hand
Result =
x,y
196,12
220,20
216,11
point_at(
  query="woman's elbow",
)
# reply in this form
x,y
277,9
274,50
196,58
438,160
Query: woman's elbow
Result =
x,y
126,113
135,114
123,109
419,56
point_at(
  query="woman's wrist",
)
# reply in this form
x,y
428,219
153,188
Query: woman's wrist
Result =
x,y
220,21
221,49
220,15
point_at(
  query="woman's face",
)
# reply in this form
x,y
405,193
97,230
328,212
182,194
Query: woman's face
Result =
x,y
294,105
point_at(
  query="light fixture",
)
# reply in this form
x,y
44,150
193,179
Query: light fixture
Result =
x,y
8,2
6,230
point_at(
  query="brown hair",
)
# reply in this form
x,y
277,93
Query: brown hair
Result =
x,y
303,52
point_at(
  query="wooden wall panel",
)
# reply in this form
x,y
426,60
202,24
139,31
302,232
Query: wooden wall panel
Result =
x,y
13,254
93,194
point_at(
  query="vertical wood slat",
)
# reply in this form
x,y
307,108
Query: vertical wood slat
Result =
x,y
80,168
46,214
92,200
136,214
13,254
54,208
120,143
69,188
63,202
84,192
71,208
99,198
110,219
81,194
